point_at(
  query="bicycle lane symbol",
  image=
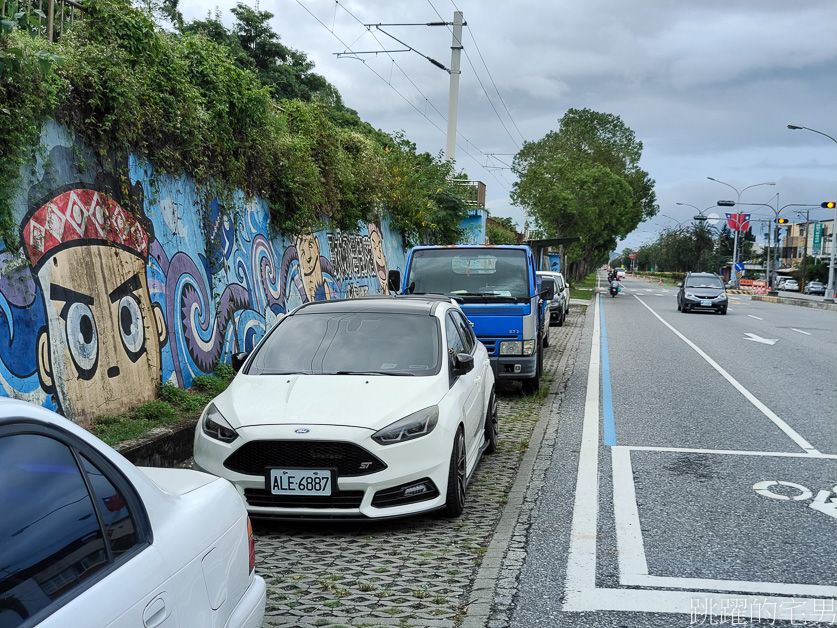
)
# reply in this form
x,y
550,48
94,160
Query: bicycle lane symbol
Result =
x,y
821,503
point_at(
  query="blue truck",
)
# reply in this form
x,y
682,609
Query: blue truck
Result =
x,y
499,291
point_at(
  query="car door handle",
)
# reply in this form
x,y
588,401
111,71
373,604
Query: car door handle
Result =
x,y
155,613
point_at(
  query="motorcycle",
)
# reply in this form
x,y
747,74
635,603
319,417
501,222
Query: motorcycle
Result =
x,y
614,287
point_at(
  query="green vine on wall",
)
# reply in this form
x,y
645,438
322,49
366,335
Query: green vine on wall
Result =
x,y
121,84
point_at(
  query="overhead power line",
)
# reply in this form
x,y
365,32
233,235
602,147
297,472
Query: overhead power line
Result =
x,y
503,183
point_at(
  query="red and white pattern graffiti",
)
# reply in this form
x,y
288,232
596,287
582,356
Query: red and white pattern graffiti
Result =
x,y
82,214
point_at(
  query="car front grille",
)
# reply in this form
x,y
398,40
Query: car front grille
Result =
x,y
261,498
349,459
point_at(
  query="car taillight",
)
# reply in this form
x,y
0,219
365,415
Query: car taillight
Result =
x,y
251,542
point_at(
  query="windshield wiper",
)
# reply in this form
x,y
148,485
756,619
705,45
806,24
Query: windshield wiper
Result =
x,y
251,372
393,373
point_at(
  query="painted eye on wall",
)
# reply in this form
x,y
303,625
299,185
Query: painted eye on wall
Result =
x,y
130,325
82,336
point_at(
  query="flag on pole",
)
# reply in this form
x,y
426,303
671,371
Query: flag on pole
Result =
x,y
738,222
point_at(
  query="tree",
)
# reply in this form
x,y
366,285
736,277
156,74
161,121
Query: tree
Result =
x,y
425,202
501,231
585,180
288,73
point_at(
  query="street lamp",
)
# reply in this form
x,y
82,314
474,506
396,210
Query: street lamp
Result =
x,y
774,230
829,292
738,200
701,212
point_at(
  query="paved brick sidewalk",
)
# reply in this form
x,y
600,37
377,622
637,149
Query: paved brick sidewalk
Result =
x,y
412,572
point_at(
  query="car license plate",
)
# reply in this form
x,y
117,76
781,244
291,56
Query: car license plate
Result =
x,y
706,303
300,481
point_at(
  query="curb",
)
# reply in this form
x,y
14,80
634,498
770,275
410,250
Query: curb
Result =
x,y
168,446
817,305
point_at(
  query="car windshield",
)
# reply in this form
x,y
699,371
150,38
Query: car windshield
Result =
x,y
704,282
470,273
348,343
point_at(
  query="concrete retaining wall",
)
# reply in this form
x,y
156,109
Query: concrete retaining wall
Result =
x,y
128,277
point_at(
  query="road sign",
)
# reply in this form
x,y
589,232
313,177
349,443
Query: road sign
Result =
x,y
817,238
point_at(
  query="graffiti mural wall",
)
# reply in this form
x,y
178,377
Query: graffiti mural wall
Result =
x,y
127,281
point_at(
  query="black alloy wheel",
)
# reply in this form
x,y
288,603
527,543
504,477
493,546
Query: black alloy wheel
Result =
x,y
455,497
492,425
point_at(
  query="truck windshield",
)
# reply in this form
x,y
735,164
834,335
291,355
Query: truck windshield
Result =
x,y
464,273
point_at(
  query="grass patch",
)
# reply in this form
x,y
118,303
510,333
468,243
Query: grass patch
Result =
x,y
172,406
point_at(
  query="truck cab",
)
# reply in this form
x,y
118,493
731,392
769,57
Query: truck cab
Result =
x,y
499,291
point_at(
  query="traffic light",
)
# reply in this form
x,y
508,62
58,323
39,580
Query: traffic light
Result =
x,y
828,205
782,221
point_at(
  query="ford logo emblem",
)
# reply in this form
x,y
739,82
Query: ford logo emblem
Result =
x,y
302,430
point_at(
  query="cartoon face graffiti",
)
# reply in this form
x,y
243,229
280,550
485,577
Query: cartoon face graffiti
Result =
x,y
99,352
308,253
378,257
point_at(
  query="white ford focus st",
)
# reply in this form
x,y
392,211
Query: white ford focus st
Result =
x,y
358,408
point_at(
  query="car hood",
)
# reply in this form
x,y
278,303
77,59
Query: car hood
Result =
x,y
370,402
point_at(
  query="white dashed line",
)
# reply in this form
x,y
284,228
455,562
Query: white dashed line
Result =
x,y
800,331
756,317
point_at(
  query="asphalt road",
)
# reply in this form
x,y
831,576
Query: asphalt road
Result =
x,y
692,472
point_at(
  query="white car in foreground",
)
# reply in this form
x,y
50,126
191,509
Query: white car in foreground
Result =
x,y
88,539
358,408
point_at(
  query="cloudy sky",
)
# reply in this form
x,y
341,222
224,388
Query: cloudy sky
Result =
x,y
708,86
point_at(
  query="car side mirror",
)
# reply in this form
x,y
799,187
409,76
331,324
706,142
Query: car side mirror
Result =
x,y
394,281
237,360
462,363
547,288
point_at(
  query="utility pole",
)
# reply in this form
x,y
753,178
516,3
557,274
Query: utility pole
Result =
x,y
805,252
453,99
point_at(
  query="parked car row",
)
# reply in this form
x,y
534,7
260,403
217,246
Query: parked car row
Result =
x,y
93,536
559,306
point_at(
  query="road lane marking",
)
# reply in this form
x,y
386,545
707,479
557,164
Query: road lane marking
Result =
x,y
787,429
729,452
581,593
581,560
764,341
800,331
758,318
629,542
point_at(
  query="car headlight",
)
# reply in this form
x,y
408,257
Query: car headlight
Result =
x,y
721,297
416,425
690,295
216,426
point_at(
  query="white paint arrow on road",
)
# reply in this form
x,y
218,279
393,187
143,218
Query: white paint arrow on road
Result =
x,y
764,341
